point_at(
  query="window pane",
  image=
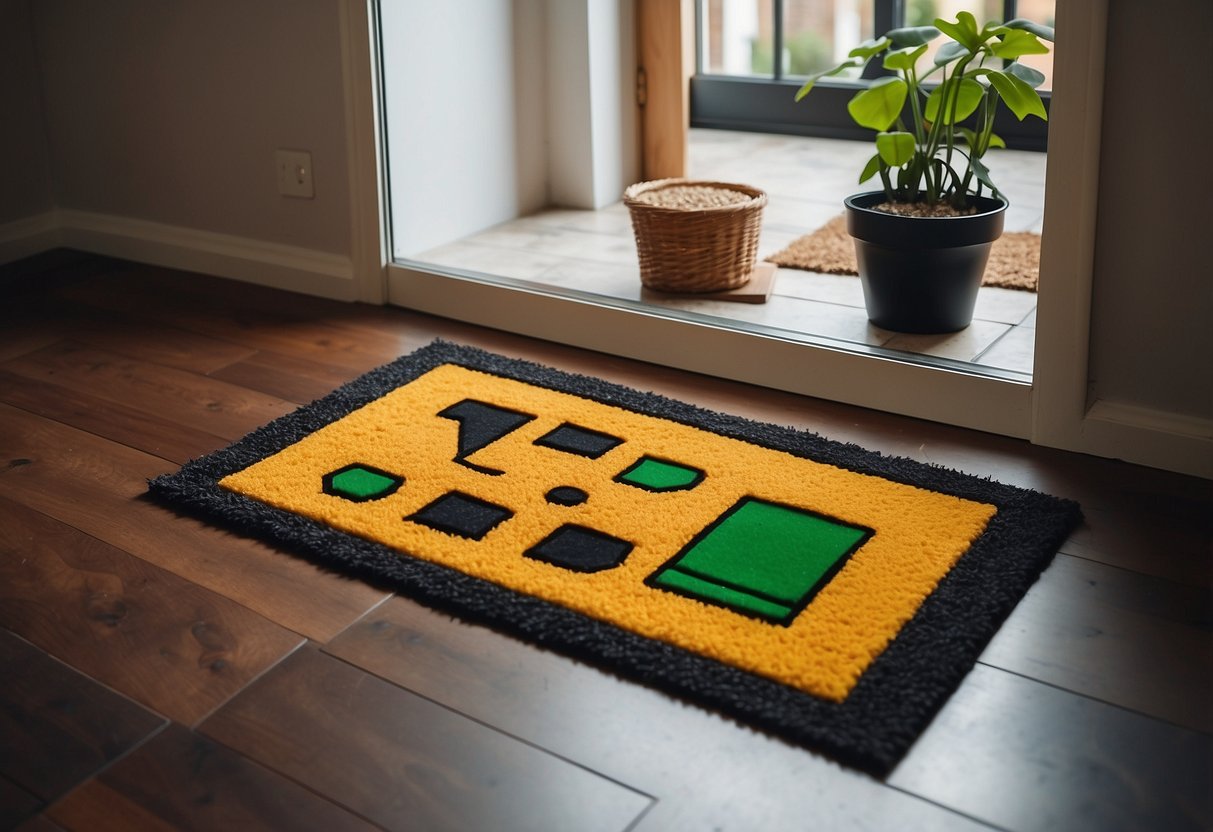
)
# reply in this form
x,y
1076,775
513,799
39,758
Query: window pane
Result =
x,y
924,12
738,37
817,34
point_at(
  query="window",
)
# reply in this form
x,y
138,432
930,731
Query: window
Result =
x,y
754,54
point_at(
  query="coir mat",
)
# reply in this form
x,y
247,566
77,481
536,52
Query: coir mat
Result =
x,y
820,591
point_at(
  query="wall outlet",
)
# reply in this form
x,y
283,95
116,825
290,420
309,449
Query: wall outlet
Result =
x,y
294,173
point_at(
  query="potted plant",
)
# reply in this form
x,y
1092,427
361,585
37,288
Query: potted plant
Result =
x,y
923,240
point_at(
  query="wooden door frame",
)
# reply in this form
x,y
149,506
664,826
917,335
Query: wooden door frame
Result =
x,y
665,51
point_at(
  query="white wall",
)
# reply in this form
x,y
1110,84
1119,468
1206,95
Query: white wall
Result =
x,y
593,127
1152,294
25,185
496,108
615,118
464,98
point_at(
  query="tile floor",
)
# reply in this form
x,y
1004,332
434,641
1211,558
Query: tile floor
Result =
x,y
592,253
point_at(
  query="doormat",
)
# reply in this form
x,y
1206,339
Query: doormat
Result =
x,y
828,594
1014,258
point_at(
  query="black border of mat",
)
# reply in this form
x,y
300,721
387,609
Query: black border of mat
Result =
x,y
872,729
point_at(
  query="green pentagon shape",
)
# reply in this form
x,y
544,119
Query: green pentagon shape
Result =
x,y
653,474
359,483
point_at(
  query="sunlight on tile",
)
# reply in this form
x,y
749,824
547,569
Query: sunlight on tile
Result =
x,y
961,346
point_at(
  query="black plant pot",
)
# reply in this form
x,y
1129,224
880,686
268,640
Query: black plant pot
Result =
x,y
921,274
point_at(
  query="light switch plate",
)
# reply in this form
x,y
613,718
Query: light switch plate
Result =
x,y
295,173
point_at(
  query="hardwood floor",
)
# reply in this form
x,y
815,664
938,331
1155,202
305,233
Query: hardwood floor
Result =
x,y
160,673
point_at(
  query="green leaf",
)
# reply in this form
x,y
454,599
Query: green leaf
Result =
x,y
983,176
879,105
904,58
1042,32
870,169
970,137
817,76
895,148
968,99
869,48
1032,77
1022,99
1016,43
963,30
950,51
912,36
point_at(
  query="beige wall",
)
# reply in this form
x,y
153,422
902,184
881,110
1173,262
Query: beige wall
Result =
x,y
172,111
1152,303
25,185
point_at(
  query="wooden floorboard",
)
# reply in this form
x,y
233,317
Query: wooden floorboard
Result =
x,y
1088,710
179,649
135,427
57,727
98,486
700,765
181,780
298,380
1023,755
403,761
196,401
1116,636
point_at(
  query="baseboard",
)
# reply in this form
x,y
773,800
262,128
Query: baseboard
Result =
x,y
1150,437
279,266
29,236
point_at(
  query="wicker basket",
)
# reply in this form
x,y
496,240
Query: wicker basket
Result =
x,y
695,236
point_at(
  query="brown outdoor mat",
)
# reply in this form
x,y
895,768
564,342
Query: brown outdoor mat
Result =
x,y
1014,258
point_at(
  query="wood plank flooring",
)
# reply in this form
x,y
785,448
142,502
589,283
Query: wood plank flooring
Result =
x,y
160,673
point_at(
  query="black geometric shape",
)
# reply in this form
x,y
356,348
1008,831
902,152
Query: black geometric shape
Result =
x,y
462,514
566,495
577,440
579,549
481,424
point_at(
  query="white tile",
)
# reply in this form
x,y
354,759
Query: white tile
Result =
x,y
773,240
1004,306
490,260
613,219
788,213
841,289
530,235
1014,351
609,279
808,317
960,346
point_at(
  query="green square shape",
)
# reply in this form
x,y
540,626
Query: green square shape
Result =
x,y
762,558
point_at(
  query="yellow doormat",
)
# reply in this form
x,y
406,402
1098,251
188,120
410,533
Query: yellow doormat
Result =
x,y
1014,258
830,594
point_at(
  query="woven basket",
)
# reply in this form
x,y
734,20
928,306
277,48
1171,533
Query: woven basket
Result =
x,y
695,236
